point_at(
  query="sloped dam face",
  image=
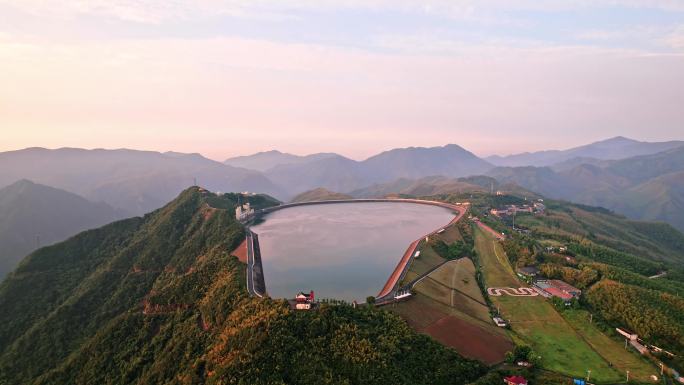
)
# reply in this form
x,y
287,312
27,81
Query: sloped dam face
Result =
x,y
344,250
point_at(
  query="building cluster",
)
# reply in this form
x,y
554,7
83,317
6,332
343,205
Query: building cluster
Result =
x,y
534,208
556,288
243,211
560,249
303,301
528,271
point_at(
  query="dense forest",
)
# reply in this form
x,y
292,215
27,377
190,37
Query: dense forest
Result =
x,y
158,299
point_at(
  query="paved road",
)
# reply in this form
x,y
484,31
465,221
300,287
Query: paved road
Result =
x,y
491,231
250,264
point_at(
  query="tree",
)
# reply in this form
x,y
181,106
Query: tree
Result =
x,y
370,300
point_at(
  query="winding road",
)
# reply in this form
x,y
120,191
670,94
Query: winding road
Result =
x,y
519,292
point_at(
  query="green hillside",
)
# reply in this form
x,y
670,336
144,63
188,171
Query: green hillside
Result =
x,y
567,222
646,187
32,215
158,299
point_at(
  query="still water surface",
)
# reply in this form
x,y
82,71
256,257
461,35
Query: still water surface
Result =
x,y
345,251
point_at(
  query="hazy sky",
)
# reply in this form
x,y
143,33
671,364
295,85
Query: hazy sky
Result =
x,y
231,77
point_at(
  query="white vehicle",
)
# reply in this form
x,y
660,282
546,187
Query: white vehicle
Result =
x,y
499,322
440,231
417,254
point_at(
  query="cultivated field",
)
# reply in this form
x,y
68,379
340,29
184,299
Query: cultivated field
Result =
x,y
453,284
535,322
470,337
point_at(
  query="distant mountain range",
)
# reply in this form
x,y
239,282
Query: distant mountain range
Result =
x,y
638,179
134,181
263,161
649,187
33,215
342,174
613,149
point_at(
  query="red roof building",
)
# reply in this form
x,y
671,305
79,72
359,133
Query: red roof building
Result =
x,y
565,287
515,380
557,293
305,298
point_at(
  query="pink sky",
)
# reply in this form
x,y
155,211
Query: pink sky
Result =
x,y
233,95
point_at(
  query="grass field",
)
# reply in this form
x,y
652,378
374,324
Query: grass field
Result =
x,y
613,351
429,259
539,325
450,235
535,322
496,269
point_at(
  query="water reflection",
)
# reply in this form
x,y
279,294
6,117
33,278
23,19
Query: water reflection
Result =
x,y
344,251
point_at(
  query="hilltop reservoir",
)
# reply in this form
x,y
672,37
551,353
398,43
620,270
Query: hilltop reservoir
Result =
x,y
343,250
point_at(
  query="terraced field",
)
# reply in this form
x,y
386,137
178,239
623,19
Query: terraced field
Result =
x,y
452,327
449,306
454,285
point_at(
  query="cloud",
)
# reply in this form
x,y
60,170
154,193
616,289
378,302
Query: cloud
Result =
x,y
157,11
248,93
675,39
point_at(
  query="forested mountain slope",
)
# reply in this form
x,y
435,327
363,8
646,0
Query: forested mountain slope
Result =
x,y
158,299
32,215
655,241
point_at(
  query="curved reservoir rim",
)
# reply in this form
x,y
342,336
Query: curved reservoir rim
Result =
x,y
403,263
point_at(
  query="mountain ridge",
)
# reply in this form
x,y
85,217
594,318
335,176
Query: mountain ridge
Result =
x,y
618,147
159,299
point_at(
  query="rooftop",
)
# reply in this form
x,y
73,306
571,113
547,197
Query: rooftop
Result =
x,y
564,286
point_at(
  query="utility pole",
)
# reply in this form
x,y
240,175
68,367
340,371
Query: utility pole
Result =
x,y
628,376
588,374
37,241
514,220
194,181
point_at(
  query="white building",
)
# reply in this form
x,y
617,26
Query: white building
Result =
x,y
243,211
